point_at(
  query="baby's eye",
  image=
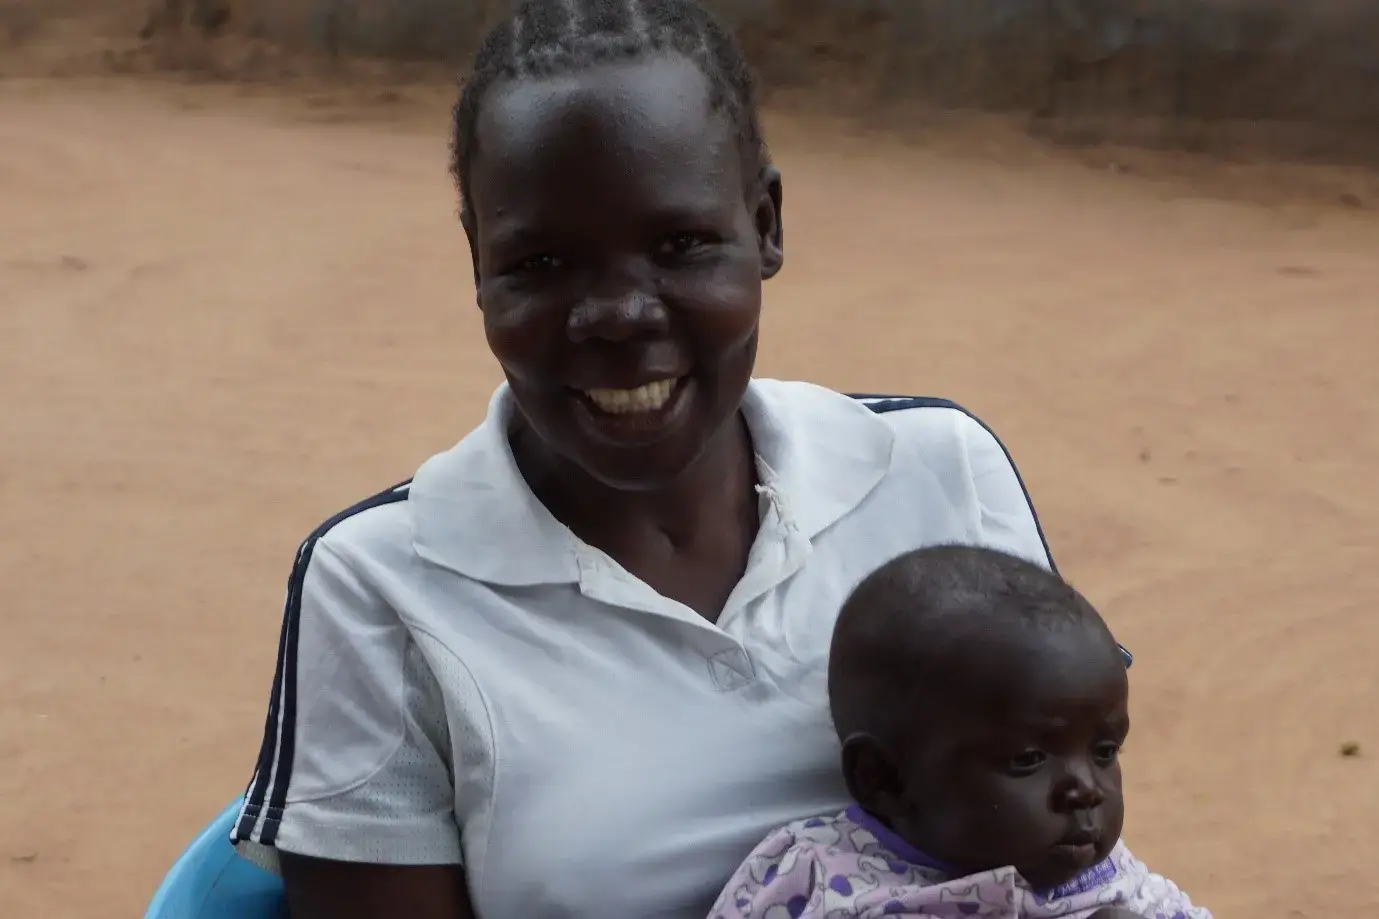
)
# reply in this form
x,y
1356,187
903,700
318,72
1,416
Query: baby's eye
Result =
x,y
1106,752
1026,763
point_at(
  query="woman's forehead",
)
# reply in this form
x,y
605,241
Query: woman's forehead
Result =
x,y
639,122
660,93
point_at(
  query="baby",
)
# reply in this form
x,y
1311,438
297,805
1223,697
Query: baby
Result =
x,y
982,705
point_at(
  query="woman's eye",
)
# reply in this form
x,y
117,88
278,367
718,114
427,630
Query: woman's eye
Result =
x,y
679,244
1027,762
537,263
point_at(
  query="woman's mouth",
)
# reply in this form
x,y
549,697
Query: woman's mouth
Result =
x,y
649,397
636,416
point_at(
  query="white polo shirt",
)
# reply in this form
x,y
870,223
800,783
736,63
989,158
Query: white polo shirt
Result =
x,y
461,679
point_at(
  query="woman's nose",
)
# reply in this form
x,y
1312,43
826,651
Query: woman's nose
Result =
x,y
624,316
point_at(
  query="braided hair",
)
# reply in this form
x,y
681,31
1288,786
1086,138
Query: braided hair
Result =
x,y
546,38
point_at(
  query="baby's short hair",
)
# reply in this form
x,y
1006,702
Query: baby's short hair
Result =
x,y
920,615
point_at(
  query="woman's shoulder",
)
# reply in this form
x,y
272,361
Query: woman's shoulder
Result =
x,y
352,578
931,428
376,528
917,425
456,500
918,457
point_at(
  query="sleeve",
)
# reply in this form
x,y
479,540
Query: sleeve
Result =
x,y
355,761
1007,519
780,876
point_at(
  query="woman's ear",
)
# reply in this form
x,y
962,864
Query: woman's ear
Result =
x,y
766,217
873,777
471,235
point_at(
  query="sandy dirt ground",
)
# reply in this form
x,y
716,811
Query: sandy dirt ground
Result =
x,y
220,322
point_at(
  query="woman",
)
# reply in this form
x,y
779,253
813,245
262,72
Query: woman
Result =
x,y
576,667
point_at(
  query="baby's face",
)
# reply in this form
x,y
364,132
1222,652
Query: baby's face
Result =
x,y
1024,768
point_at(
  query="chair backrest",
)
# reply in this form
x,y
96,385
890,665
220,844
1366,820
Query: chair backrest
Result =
x,y
209,881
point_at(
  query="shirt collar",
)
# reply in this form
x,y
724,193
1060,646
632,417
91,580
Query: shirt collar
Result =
x,y
820,453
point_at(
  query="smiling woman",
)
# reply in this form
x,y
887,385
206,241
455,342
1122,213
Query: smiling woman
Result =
x,y
600,623
620,265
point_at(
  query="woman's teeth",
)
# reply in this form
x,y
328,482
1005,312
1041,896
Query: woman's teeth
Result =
x,y
648,398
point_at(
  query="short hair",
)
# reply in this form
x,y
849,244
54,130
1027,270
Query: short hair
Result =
x,y
544,38
920,612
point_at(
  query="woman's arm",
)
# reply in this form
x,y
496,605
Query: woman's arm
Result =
x,y
353,800
319,889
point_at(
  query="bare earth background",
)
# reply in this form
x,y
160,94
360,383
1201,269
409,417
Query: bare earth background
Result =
x,y
226,314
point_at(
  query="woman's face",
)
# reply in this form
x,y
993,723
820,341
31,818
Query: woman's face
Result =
x,y
619,263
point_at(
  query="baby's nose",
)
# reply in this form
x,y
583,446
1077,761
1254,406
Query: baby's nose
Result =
x,y
1079,789
1086,796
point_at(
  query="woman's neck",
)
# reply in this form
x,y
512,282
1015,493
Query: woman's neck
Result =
x,y
718,488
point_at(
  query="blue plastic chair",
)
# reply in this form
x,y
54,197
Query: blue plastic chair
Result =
x,y
209,881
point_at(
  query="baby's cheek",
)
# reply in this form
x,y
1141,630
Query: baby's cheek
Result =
x,y
1113,811
1018,811
982,827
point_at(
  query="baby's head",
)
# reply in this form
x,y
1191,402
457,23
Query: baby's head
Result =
x,y
622,214
982,704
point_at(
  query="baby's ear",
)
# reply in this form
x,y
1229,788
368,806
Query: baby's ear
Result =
x,y
873,775
766,217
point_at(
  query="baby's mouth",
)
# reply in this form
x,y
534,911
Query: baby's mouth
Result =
x,y
1083,836
1078,850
